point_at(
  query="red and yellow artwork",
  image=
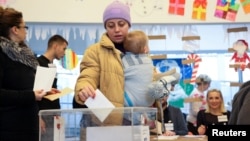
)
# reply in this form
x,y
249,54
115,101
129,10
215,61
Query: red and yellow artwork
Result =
x,y
245,5
226,10
199,9
70,59
176,7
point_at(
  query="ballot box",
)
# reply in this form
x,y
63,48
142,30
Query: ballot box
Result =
x,y
102,124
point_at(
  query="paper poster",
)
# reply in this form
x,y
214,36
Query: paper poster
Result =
x,y
182,90
245,5
226,10
176,7
199,10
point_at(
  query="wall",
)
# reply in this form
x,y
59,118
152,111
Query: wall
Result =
x,y
142,11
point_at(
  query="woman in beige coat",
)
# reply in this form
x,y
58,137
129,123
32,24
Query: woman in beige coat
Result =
x,y
101,67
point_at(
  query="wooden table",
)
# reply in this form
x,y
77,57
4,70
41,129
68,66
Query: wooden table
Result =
x,y
182,138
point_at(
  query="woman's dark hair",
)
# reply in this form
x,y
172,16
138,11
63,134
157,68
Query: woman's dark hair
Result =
x,y
9,17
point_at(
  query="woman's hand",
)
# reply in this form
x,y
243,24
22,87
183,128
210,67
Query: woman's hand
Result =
x,y
86,92
39,94
53,91
202,129
42,126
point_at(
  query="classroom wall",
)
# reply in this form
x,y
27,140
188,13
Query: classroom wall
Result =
x,y
142,11
80,22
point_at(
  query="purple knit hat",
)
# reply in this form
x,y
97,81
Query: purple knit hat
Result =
x,y
117,9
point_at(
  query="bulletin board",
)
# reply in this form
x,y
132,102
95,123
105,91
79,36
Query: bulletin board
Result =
x,y
142,11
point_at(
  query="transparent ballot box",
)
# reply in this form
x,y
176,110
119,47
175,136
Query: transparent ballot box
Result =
x,y
105,124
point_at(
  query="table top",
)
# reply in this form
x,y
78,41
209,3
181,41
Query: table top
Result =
x,y
182,138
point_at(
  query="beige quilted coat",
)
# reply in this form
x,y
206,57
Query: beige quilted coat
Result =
x,y
101,67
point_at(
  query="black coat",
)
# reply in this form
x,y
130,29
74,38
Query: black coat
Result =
x,y
205,118
18,107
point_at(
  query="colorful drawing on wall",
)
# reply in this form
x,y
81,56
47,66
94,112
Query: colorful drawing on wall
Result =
x,y
232,2
191,44
144,7
182,90
195,66
176,7
226,10
245,5
70,60
199,10
6,2
240,55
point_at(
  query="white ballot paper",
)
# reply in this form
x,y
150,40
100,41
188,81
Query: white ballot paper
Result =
x,y
44,78
100,104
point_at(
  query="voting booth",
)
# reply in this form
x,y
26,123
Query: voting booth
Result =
x,y
105,124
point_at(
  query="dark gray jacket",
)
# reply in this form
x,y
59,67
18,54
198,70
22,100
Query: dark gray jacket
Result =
x,y
175,115
240,106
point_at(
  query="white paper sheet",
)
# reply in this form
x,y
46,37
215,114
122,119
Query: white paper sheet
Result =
x,y
101,105
194,136
166,137
44,78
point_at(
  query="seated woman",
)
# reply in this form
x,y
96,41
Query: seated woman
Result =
x,y
214,114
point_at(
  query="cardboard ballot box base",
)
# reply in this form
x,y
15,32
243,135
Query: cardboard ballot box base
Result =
x,y
123,124
118,133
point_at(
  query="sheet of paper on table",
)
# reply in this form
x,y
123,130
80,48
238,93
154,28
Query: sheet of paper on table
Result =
x,y
161,137
195,136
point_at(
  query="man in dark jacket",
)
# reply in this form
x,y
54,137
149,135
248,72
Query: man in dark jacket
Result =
x,y
171,117
55,50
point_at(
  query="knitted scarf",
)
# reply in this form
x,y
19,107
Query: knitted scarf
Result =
x,y
18,52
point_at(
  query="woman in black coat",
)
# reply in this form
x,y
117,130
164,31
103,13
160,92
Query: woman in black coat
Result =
x,y
18,102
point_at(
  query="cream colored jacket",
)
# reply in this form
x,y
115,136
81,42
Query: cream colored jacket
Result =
x,y
101,67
